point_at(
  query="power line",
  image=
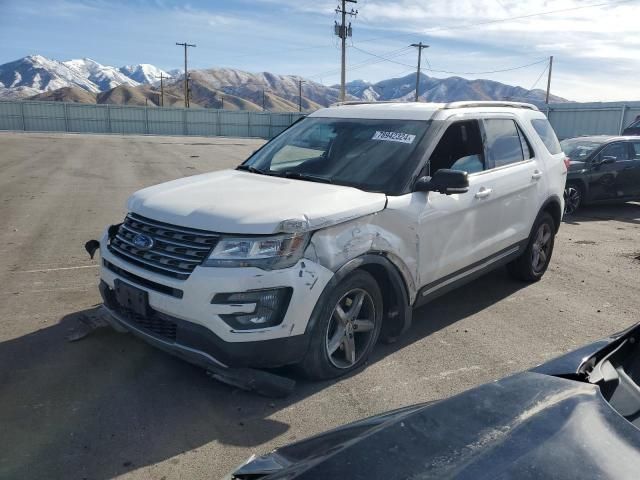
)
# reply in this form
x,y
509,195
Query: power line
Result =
x,y
498,20
394,53
449,71
538,79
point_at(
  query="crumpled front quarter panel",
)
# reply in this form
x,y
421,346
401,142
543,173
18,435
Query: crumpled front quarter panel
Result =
x,y
391,232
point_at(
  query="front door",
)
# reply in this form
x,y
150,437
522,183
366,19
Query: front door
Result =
x,y
607,179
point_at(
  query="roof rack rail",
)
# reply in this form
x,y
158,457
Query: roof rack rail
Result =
x,y
490,103
362,102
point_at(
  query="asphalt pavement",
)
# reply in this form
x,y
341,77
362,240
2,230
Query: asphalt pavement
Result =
x,y
110,406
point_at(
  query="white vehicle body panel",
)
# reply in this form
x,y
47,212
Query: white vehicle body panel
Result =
x,y
236,202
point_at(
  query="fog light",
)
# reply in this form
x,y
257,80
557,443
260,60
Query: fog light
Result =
x,y
270,307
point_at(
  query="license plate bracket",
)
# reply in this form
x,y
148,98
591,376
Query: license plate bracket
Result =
x,y
131,298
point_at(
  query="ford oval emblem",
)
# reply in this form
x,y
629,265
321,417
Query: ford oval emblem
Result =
x,y
142,241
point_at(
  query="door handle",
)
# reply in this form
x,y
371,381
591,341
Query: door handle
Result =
x,y
483,192
537,175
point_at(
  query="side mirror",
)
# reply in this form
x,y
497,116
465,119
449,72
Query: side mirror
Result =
x,y
444,181
604,160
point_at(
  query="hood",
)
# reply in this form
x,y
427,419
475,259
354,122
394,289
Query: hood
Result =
x,y
525,426
232,201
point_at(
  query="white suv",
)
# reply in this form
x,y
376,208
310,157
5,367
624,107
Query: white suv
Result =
x,y
326,238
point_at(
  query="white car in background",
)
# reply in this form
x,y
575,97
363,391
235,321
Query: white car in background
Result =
x,y
326,238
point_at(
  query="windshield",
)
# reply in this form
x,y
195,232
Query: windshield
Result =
x,y
370,154
577,149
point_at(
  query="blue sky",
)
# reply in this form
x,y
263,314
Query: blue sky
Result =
x,y
595,48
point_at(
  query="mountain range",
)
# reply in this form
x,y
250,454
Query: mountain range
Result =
x,y
86,81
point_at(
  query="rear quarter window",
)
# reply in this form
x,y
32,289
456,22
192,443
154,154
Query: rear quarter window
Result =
x,y
547,135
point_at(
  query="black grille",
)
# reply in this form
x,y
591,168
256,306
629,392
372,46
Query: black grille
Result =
x,y
154,324
176,251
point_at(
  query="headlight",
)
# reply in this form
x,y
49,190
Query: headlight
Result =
x,y
269,253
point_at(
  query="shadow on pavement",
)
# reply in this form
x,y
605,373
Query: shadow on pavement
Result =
x,y
110,404
622,212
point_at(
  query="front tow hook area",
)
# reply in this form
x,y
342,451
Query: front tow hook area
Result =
x,y
259,381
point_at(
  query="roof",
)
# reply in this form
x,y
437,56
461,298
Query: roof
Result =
x,y
409,110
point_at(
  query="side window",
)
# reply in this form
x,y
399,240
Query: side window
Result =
x,y
502,142
460,148
617,151
547,135
635,150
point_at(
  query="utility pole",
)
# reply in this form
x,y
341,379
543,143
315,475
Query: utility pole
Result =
x,y
263,100
549,79
222,101
300,82
419,46
162,77
343,31
186,81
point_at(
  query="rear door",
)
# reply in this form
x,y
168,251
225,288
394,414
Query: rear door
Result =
x,y
634,172
515,177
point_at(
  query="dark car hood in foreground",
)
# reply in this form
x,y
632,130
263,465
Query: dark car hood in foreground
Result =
x,y
529,425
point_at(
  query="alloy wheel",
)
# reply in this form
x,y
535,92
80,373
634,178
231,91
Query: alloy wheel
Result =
x,y
541,248
572,198
351,328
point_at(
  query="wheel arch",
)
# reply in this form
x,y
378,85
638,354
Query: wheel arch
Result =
x,y
552,206
397,310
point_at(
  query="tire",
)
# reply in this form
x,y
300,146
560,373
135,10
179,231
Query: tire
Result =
x,y
531,265
573,198
336,346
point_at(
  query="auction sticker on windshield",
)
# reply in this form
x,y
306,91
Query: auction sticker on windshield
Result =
x,y
394,137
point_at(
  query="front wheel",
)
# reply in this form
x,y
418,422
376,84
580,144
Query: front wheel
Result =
x,y
533,262
347,329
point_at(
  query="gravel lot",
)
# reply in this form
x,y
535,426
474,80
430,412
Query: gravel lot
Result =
x,y
110,406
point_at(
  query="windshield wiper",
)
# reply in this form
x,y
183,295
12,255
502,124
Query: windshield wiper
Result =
x,y
249,168
305,176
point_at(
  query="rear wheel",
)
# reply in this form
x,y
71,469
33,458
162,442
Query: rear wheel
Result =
x,y
573,197
532,264
347,329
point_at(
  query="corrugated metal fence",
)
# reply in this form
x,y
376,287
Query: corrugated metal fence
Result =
x,y
73,117
568,119
600,118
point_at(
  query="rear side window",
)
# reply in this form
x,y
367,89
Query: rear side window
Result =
x,y
636,150
502,142
547,135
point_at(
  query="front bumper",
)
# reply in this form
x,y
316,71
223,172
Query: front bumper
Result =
x,y
199,329
199,345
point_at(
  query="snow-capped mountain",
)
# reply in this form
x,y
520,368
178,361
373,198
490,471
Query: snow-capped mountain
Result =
x,y
144,73
36,74
103,77
449,89
40,78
